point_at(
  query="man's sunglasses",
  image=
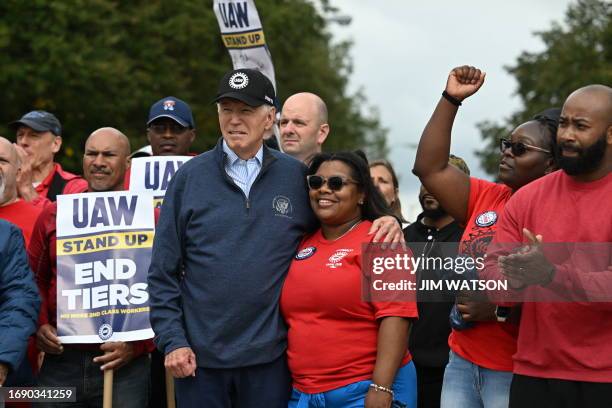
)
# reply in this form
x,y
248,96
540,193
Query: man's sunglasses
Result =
x,y
334,183
519,148
161,128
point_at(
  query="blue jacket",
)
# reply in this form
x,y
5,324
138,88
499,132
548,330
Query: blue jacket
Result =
x,y
19,299
220,259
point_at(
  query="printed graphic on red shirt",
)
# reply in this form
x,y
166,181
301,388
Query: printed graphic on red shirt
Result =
x,y
333,333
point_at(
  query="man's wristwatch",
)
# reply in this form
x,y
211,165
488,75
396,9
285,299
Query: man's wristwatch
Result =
x,y
502,313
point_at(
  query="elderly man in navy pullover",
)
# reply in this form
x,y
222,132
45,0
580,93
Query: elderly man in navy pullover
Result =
x,y
230,224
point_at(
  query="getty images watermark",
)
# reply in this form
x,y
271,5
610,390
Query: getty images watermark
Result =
x,y
516,272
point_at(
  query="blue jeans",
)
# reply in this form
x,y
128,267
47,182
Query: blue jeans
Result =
x,y
467,385
75,368
353,395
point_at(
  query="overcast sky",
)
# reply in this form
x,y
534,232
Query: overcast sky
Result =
x,y
403,51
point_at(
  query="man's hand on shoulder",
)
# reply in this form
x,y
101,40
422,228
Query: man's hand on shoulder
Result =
x,y
387,229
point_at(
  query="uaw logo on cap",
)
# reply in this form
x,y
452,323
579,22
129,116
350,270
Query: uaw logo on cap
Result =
x,y
305,253
169,105
105,331
282,206
239,80
486,219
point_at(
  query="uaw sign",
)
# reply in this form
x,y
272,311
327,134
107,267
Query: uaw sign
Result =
x,y
104,243
153,174
243,36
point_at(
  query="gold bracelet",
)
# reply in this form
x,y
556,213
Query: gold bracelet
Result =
x,y
383,389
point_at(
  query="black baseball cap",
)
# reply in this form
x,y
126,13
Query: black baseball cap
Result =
x,y
247,85
173,108
40,121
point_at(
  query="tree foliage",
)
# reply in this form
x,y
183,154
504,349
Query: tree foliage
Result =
x,y
577,53
104,62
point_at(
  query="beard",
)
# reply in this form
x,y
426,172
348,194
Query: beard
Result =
x,y
587,160
432,213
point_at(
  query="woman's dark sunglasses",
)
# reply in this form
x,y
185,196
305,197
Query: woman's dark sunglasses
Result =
x,y
519,148
334,183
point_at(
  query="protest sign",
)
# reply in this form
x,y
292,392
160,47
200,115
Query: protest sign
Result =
x,y
104,243
243,36
152,174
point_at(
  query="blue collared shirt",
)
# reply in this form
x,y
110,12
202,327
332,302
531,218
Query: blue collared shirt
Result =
x,y
243,172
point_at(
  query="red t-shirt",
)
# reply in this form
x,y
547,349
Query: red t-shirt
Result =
x,y
565,340
332,337
487,344
23,215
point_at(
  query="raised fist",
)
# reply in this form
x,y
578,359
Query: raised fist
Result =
x,y
464,81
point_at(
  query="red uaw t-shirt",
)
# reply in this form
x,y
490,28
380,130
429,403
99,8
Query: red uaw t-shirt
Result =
x,y
332,332
487,344
566,340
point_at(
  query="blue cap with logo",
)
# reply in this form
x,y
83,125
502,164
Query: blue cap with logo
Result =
x,y
173,108
40,121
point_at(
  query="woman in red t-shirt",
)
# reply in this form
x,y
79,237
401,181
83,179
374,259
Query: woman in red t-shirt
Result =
x,y
485,348
343,351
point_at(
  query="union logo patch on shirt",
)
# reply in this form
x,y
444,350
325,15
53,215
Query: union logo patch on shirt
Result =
x,y
337,257
305,253
486,219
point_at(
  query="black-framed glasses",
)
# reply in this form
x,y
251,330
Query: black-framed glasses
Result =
x,y
334,183
519,148
161,128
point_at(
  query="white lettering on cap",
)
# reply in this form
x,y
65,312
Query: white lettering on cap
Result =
x,y
239,80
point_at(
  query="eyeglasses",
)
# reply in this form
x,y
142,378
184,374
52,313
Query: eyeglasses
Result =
x,y
334,183
161,128
519,148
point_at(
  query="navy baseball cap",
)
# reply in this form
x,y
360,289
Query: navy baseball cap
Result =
x,y
40,121
247,85
173,108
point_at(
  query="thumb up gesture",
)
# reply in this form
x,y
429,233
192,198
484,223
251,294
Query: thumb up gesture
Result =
x,y
464,81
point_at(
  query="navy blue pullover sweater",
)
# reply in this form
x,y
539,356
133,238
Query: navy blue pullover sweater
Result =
x,y
220,259
19,299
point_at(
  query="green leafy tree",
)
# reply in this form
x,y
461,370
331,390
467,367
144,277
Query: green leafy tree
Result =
x,y
577,53
104,62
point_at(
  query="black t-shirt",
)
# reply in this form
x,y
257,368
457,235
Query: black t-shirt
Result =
x,y
428,341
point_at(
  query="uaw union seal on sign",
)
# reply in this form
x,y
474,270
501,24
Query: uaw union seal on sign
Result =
x,y
281,206
105,331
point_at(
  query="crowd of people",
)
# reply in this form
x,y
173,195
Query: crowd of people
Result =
x,y
257,267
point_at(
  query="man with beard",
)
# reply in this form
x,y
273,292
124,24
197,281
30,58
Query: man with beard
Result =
x,y
564,353
434,234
